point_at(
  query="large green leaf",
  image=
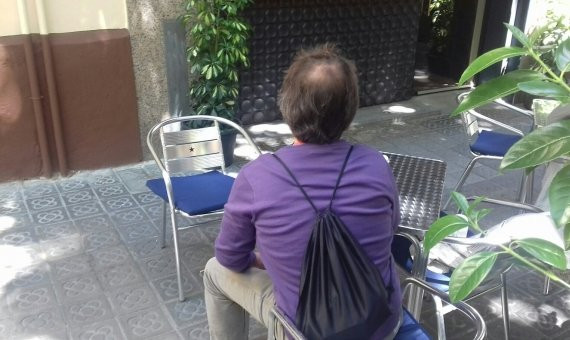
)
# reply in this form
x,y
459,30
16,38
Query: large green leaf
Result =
x,y
544,89
519,35
559,196
442,228
460,201
567,236
562,55
496,88
470,274
545,251
540,146
487,59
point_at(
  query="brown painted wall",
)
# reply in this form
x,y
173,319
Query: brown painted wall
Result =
x,y
96,91
19,150
95,88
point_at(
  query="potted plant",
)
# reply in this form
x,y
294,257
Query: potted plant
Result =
x,y
218,49
539,147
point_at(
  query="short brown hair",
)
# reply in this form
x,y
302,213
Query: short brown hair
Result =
x,y
319,96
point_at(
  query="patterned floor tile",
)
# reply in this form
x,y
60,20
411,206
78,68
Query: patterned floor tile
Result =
x,y
188,237
116,203
30,299
130,216
45,324
71,184
211,231
145,323
62,247
94,224
118,276
167,287
145,198
159,266
43,203
199,331
107,191
46,232
103,330
196,256
50,216
13,222
167,336
38,274
82,210
18,238
154,212
7,327
110,256
135,232
25,256
188,313
39,188
79,196
132,298
145,247
78,287
71,266
97,240
87,311
102,178
12,206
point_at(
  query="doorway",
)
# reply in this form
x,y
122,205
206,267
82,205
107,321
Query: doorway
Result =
x,y
445,42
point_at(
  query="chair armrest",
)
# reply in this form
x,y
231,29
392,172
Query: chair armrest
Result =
x,y
522,206
288,325
469,311
413,240
496,122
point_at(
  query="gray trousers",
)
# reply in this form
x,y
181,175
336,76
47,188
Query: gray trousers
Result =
x,y
231,297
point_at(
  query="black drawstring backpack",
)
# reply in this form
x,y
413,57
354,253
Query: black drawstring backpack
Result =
x,y
341,295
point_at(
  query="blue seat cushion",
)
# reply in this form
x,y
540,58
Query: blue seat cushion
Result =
x,y
411,329
492,143
197,194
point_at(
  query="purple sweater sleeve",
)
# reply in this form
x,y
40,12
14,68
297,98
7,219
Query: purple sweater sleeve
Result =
x,y
236,240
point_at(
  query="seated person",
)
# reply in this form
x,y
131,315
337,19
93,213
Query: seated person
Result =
x,y
318,99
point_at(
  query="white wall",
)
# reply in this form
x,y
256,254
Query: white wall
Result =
x,y
64,15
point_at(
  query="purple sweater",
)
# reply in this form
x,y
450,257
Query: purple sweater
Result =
x,y
266,209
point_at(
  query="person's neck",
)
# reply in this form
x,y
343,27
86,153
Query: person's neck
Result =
x,y
297,142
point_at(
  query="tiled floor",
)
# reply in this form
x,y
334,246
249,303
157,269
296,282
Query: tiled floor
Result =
x,y
79,256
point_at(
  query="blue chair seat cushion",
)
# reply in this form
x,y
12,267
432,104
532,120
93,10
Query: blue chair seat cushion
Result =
x,y
492,143
197,194
411,329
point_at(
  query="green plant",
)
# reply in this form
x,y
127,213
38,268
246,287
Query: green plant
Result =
x,y
441,14
539,147
218,49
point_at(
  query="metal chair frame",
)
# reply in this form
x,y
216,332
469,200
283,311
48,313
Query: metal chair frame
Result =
x,y
466,309
472,129
188,150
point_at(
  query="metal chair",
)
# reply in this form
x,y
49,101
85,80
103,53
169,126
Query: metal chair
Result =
x,y
440,281
410,329
485,144
203,193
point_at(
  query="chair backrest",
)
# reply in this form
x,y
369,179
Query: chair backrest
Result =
x,y
194,149
469,121
191,150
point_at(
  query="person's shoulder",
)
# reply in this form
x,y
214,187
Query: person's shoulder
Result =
x,y
369,154
256,164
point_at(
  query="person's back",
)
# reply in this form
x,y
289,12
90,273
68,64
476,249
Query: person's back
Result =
x,y
266,210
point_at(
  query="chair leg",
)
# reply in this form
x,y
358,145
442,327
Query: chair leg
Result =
x,y
440,317
546,290
462,179
163,232
505,305
523,191
177,255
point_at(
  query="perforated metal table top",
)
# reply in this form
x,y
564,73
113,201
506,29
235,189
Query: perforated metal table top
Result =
x,y
420,183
